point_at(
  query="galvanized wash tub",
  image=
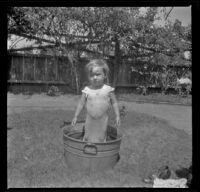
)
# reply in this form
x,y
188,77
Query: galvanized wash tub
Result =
x,y
83,156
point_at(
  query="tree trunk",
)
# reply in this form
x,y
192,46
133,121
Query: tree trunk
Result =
x,y
45,72
34,68
121,75
23,69
117,61
74,68
124,73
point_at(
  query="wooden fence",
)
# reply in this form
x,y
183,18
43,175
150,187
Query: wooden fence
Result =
x,y
49,70
27,68
42,70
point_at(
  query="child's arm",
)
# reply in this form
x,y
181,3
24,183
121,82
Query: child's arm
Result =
x,y
79,108
116,108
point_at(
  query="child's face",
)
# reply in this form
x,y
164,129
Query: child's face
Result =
x,y
97,76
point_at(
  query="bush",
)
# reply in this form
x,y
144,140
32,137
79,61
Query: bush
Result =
x,y
53,91
142,90
184,89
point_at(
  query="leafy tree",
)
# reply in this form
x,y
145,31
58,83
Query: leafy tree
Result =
x,y
101,31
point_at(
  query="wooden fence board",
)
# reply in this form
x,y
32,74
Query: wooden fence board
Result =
x,y
44,69
50,69
28,68
16,70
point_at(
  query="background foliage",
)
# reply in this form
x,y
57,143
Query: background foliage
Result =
x,y
118,33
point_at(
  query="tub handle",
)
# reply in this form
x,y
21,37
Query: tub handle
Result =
x,y
90,148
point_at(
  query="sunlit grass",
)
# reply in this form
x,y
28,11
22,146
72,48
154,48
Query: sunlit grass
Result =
x,y
35,151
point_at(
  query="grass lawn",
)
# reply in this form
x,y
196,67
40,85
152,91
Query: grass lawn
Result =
x,y
156,98
35,151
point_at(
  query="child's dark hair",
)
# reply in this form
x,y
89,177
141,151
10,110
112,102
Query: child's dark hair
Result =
x,y
99,63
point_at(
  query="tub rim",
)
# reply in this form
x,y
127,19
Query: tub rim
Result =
x,y
119,138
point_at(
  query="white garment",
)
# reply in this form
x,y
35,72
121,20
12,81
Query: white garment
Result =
x,y
97,105
170,183
184,81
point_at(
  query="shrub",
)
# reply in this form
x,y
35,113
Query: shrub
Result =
x,y
53,91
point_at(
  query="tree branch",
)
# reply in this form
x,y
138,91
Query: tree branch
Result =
x,y
96,52
33,37
18,40
171,54
31,48
53,42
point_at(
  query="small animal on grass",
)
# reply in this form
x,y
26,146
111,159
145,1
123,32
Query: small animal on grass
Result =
x,y
163,173
185,173
97,97
163,178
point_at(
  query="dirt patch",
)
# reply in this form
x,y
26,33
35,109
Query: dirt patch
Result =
x,y
35,151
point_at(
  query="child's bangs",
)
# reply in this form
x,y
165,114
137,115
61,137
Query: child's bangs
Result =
x,y
97,63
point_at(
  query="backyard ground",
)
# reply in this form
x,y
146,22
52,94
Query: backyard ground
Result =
x,y
153,135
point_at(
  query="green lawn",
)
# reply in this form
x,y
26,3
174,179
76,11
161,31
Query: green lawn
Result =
x,y
156,98
35,151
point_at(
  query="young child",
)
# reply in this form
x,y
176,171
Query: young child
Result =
x,y
97,97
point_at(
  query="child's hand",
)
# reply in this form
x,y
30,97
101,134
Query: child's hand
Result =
x,y
118,121
74,120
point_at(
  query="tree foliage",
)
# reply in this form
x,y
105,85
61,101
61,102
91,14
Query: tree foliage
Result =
x,y
103,31
85,26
